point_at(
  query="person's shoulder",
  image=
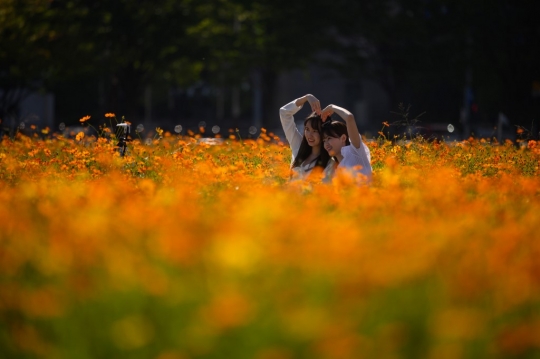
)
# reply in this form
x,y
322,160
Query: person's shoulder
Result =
x,y
359,149
348,149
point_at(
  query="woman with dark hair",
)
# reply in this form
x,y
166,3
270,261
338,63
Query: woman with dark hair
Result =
x,y
343,142
307,149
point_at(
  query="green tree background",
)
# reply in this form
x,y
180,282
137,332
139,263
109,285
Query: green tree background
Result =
x,y
100,56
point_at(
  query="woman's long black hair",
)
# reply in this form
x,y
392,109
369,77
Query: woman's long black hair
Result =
x,y
305,149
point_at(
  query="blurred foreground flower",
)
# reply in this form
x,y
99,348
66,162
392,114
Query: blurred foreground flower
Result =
x,y
217,248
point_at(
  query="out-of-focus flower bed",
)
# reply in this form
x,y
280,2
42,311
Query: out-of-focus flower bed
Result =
x,y
183,249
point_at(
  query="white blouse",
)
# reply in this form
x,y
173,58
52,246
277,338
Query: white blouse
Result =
x,y
353,157
294,137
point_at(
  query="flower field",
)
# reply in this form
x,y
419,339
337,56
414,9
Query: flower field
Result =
x,y
182,249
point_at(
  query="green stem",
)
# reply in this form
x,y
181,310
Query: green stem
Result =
x,y
240,137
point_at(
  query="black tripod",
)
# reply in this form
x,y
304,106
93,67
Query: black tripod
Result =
x,y
124,137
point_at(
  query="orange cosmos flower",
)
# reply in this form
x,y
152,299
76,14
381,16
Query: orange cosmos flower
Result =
x,y
110,114
84,119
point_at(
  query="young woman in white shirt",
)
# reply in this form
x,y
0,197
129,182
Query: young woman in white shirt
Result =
x,y
307,148
344,143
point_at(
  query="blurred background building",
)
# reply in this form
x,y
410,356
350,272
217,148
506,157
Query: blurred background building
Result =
x,y
233,63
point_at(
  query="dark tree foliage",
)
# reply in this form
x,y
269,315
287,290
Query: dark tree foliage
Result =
x,y
427,51
25,53
422,51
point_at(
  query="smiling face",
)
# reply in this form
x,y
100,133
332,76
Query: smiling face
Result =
x,y
335,137
312,134
333,145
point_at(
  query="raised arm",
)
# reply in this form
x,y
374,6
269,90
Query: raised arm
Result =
x,y
313,102
352,129
286,114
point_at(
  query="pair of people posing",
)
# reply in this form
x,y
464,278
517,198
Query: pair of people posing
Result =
x,y
325,144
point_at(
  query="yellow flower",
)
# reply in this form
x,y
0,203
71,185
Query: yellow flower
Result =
x,y
159,131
